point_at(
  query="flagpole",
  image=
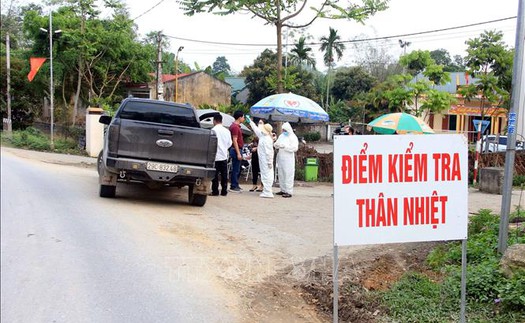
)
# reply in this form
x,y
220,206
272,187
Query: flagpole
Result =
x,y
51,87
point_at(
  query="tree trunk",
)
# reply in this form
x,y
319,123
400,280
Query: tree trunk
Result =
x,y
327,88
279,29
77,94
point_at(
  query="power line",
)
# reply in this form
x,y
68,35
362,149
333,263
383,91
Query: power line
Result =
x,y
354,40
429,31
145,12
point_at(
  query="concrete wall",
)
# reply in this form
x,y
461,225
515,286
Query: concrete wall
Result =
x,y
199,89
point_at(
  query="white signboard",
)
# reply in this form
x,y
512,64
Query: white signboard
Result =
x,y
400,188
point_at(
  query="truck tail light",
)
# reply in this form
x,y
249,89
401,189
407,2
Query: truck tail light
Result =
x,y
113,133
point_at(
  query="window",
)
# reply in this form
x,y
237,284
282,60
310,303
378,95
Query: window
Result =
x,y
156,112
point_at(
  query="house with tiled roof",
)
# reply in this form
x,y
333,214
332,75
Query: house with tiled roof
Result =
x,y
459,118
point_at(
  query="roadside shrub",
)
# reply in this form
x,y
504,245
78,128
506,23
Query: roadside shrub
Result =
x,y
518,180
30,138
491,296
312,136
415,298
512,291
34,139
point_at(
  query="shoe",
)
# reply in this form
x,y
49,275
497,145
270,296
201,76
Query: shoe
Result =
x,y
224,193
253,189
266,195
259,190
214,194
287,195
235,189
280,193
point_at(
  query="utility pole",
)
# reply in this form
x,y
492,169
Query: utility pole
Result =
x,y
160,87
514,112
404,45
175,99
51,85
8,125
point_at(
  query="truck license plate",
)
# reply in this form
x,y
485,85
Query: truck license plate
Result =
x,y
161,167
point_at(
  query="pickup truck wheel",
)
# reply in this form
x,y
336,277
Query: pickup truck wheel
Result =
x,y
100,163
196,199
107,191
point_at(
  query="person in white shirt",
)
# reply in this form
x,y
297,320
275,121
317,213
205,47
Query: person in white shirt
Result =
x,y
224,142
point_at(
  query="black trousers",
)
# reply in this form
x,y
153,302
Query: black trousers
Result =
x,y
255,168
221,169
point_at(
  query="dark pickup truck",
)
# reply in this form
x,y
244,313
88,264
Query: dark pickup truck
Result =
x,y
157,143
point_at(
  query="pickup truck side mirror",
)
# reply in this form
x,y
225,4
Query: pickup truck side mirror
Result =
x,y
105,120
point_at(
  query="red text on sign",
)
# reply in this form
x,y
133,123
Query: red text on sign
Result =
x,y
380,212
362,169
447,167
407,168
421,210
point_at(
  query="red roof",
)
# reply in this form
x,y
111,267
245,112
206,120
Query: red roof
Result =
x,y
170,77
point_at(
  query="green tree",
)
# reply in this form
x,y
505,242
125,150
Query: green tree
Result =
x,y
331,46
489,60
103,54
281,13
442,57
350,82
25,105
261,79
301,54
257,74
389,96
221,66
436,74
416,61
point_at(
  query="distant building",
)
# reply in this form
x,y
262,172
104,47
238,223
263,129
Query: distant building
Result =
x,y
196,88
460,116
239,89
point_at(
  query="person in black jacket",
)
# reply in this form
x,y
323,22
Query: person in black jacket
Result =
x,y
255,166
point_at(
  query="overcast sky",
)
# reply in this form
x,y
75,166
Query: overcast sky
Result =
x,y
403,17
244,37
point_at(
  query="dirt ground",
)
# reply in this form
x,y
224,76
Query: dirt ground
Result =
x,y
275,255
310,291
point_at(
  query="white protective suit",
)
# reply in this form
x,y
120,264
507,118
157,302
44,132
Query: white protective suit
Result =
x,y
265,153
288,144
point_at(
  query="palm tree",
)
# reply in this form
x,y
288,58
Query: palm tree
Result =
x,y
301,54
331,46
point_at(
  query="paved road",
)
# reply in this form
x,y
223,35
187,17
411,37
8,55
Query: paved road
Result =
x,y
69,256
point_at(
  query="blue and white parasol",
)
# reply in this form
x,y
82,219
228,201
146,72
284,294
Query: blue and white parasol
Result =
x,y
289,107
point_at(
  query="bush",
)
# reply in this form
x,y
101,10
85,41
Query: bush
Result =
x,y
312,136
30,138
491,296
34,139
518,180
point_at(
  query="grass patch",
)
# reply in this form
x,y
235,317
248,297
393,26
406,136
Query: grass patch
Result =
x,y
491,297
34,139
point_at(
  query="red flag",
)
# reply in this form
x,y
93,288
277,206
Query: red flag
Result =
x,y
36,63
